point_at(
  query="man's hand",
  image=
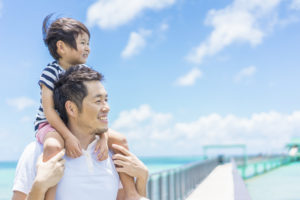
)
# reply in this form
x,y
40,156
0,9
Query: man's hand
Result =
x,y
102,148
73,147
129,163
49,173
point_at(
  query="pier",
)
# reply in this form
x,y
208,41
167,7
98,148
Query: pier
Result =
x,y
221,178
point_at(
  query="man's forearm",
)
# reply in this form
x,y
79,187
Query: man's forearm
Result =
x,y
37,192
141,185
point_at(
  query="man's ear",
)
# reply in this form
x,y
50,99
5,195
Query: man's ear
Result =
x,y
71,108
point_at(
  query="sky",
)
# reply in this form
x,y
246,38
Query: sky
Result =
x,y
179,74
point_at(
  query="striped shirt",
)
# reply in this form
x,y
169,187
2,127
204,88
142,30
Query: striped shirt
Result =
x,y
49,76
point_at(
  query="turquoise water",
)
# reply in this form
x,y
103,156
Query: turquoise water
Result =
x,y
154,164
282,183
6,182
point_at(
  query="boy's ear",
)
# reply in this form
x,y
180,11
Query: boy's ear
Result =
x,y
71,108
60,45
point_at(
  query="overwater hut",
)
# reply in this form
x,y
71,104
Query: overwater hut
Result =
x,y
294,147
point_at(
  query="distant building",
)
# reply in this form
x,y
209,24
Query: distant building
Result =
x,y
294,147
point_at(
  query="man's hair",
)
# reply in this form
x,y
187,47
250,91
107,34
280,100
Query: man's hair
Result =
x,y
70,86
64,29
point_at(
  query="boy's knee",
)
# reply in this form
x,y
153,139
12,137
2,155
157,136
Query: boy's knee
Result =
x,y
51,148
124,142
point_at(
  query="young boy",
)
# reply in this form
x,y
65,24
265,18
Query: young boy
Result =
x,y
68,43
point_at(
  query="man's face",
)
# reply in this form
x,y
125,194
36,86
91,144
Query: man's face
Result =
x,y
94,110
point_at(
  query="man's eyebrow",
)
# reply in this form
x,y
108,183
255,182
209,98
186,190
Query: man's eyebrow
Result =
x,y
100,95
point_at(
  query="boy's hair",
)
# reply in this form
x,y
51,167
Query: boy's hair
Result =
x,y
70,86
64,29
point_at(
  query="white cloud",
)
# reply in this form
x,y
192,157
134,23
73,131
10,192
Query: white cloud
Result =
x,y
241,21
21,103
113,13
135,117
164,27
137,41
190,78
295,5
153,133
289,20
245,73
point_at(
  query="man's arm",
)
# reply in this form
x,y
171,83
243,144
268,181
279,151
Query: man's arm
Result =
x,y
48,174
131,165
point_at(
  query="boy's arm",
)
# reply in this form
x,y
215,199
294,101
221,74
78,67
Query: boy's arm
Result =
x,y
115,137
71,142
102,146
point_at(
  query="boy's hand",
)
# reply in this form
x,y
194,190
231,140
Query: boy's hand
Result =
x,y
73,147
101,148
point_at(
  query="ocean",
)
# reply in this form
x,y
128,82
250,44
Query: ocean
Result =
x,y
154,164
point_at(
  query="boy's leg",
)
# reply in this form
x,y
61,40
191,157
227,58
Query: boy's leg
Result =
x,y
53,143
127,181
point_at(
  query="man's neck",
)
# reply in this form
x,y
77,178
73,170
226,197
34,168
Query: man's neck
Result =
x,y
83,136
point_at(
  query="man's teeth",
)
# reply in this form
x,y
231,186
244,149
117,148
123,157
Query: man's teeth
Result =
x,y
103,118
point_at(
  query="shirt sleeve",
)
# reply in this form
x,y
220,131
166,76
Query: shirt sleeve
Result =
x,y
48,77
26,168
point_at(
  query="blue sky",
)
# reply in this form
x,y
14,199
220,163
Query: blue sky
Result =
x,y
180,73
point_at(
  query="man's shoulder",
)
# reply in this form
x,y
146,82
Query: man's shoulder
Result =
x,y
25,170
32,151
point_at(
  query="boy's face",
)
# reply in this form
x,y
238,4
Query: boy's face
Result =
x,y
80,55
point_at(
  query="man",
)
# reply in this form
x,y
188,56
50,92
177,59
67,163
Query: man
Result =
x,y
81,101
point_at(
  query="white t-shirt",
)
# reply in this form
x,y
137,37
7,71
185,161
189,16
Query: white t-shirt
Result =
x,y
84,177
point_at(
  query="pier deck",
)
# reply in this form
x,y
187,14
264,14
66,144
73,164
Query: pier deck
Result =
x,y
224,183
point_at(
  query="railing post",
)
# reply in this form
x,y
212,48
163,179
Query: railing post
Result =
x,y
175,185
168,187
180,183
149,188
160,187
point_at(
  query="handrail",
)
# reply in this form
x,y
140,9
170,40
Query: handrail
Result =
x,y
176,184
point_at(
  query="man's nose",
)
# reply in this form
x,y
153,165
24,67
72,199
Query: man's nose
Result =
x,y
105,108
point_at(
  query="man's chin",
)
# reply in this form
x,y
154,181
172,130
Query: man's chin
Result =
x,y
99,131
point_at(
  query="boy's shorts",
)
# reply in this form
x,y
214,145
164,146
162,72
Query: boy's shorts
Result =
x,y
43,129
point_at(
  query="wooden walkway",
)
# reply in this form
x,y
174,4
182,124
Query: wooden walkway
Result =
x,y
223,183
